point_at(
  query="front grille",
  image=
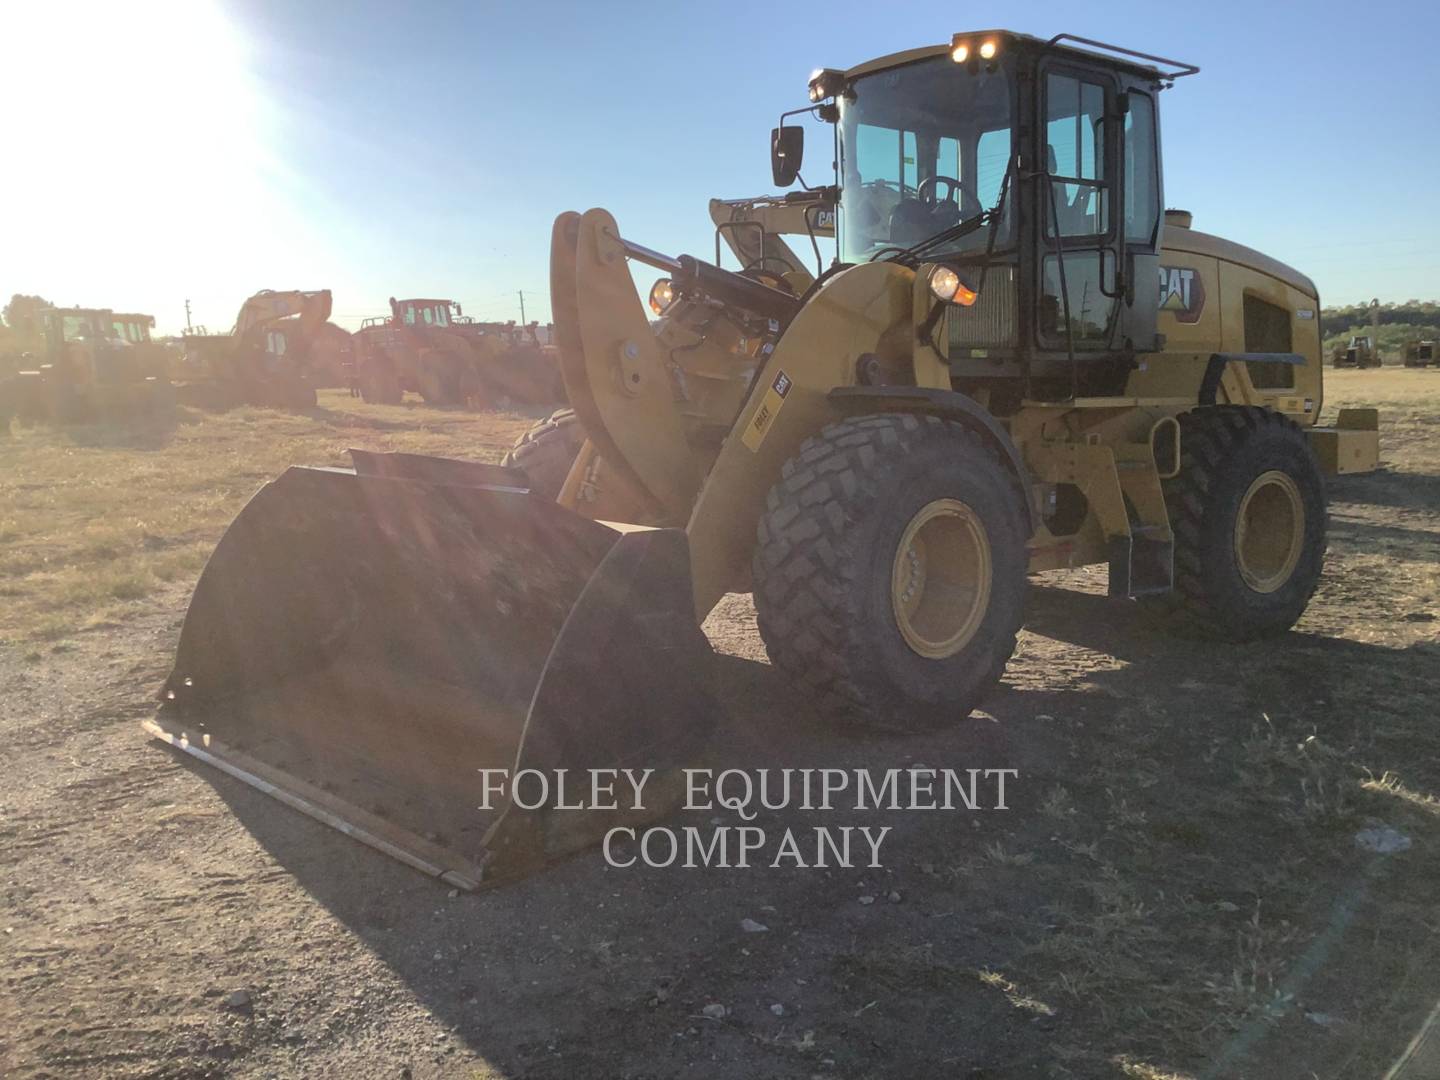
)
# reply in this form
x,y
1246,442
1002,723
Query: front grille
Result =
x,y
990,322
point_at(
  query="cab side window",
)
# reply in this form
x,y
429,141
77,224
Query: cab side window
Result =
x,y
1074,136
1142,172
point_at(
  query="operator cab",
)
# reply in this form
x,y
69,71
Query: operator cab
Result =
x,y
424,312
131,329
1029,169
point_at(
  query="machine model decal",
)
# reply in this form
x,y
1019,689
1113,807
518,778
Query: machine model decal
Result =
x,y
1182,293
759,425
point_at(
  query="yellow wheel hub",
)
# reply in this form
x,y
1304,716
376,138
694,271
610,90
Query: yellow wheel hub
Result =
x,y
1269,531
940,585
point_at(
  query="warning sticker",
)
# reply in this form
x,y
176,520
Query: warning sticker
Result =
x,y
759,424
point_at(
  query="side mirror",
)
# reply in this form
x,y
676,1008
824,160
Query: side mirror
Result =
x,y
458,311
787,150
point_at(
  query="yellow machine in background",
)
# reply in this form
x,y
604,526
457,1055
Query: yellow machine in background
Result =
x,y
1421,353
1358,352
267,356
92,364
1015,364
431,348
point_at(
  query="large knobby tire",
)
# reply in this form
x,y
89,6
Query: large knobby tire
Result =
x,y
378,383
890,569
547,451
1248,513
441,377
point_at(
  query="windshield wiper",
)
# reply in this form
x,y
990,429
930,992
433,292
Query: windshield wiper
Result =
x,y
914,252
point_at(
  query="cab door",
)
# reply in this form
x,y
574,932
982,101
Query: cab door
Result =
x,y
1081,246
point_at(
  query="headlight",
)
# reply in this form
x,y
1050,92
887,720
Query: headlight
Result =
x,y
947,286
962,49
662,295
826,83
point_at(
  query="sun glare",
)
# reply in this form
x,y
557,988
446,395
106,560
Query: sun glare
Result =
x,y
140,130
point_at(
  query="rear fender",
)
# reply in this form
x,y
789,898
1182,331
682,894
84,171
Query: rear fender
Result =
x,y
851,315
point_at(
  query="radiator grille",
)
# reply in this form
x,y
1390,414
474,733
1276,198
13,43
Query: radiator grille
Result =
x,y
990,322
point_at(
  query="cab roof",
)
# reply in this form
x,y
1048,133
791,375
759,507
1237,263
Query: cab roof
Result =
x,y
1114,55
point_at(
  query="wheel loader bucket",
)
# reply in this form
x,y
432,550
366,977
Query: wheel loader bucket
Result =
x,y
363,643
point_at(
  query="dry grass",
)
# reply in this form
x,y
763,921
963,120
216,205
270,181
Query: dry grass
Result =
x,y
96,520
1186,873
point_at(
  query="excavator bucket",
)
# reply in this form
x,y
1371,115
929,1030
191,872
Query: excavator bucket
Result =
x,y
364,642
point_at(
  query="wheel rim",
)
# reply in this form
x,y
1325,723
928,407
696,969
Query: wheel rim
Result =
x,y
1269,531
940,583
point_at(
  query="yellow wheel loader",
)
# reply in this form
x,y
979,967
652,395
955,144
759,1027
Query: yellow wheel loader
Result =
x,y
95,364
1017,363
1421,353
430,348
1358,352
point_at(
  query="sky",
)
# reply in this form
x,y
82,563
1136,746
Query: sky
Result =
x,y
165,150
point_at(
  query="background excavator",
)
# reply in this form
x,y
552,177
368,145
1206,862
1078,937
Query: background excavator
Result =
x,y
266,357
1016,363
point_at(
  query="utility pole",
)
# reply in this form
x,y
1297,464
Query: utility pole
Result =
x,y
187,314
522,308
1375,329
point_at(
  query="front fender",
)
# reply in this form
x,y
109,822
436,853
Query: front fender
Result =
x,y
952,405
854,313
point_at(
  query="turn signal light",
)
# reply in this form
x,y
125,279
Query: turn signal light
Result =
x,y
948,286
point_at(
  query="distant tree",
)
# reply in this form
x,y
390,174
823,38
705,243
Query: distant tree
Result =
x,y
21,313
1338,322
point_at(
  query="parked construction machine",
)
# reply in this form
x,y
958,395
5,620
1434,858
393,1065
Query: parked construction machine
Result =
x,y
1358,352
1017,363
1421,353
93,364
431,348
266,357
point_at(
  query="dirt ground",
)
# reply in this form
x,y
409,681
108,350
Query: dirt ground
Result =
x,y
1175,891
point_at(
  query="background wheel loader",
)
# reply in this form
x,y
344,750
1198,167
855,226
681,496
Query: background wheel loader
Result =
x,y
429,347
265,359
1421,354
1358,352
1016,364
94,364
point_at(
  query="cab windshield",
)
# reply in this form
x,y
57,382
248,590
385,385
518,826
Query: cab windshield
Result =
x,y
430,314
82,326
922,148
136,333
